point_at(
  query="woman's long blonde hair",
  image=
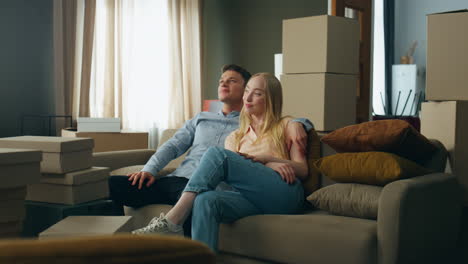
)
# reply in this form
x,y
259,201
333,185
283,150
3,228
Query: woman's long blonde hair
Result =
x,y
272,126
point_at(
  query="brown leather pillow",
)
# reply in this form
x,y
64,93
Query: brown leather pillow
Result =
x,y
392,135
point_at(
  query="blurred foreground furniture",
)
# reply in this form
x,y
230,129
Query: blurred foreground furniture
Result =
x,y
418,222
129,249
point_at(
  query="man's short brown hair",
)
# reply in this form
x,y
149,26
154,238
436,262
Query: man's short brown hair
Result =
x,y
243,72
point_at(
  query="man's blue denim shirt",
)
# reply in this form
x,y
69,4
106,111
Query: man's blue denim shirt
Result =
x,y
198,134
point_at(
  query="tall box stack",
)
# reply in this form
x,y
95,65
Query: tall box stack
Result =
x,y
18,167
67,176
321,67
445,115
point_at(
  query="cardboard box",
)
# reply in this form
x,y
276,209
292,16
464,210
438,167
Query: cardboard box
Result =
x,y
11,229
16,193
90,124
12,210
71,188
321,44
18,167
448,123
447,56
67,194
104,141
59,154
40,216
92,174
328,100
88,225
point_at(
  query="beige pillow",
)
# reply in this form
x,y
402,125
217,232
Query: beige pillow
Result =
x,y
348,199
136,168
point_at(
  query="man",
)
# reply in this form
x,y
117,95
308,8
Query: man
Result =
x,y
198,134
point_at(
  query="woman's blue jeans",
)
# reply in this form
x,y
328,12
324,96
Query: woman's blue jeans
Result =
x,y
261,190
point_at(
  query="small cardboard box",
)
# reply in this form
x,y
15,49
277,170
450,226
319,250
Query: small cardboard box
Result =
x,y
16,193
59,154
321,44
11,229
67,194
12,210
106,141
447,56
448,123
328,100
88,226
90,124
93,174
40,216
71,188
18,167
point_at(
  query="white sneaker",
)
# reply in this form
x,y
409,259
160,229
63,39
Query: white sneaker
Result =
x,y
160,225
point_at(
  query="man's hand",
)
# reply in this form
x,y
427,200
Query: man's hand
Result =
x,y
259,158
295,134
285,171
139,177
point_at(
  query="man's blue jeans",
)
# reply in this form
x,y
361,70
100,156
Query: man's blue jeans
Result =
x,y
261,190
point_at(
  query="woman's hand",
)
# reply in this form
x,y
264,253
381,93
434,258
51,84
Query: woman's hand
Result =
x,y
285,170
139,177
259,158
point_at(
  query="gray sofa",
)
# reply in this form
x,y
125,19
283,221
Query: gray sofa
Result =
x,y
418,222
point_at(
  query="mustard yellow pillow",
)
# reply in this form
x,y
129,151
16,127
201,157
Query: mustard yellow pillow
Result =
x,y
375,168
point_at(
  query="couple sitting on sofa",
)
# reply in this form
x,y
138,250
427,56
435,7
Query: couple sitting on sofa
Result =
x,y
263,163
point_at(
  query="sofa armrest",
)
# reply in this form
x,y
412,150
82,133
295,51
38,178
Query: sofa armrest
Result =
x,y
419,219
122,158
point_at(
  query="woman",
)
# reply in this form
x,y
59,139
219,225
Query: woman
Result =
x,y
256,163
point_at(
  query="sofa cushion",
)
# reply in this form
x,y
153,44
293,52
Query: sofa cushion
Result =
x,y
394,136
375,168
311,238
289,238
348,199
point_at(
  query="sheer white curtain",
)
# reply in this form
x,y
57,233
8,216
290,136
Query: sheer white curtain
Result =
x,y
185,63
134,59
130,77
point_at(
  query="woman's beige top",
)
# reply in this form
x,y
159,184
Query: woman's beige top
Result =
x,y
248,145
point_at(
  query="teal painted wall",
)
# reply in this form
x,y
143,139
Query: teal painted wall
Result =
x,y
411,25
248,33
25,61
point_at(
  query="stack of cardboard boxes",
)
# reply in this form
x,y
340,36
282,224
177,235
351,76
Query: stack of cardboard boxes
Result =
x,y
111,141
321,67
445,115
107,134
18,168
67,175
